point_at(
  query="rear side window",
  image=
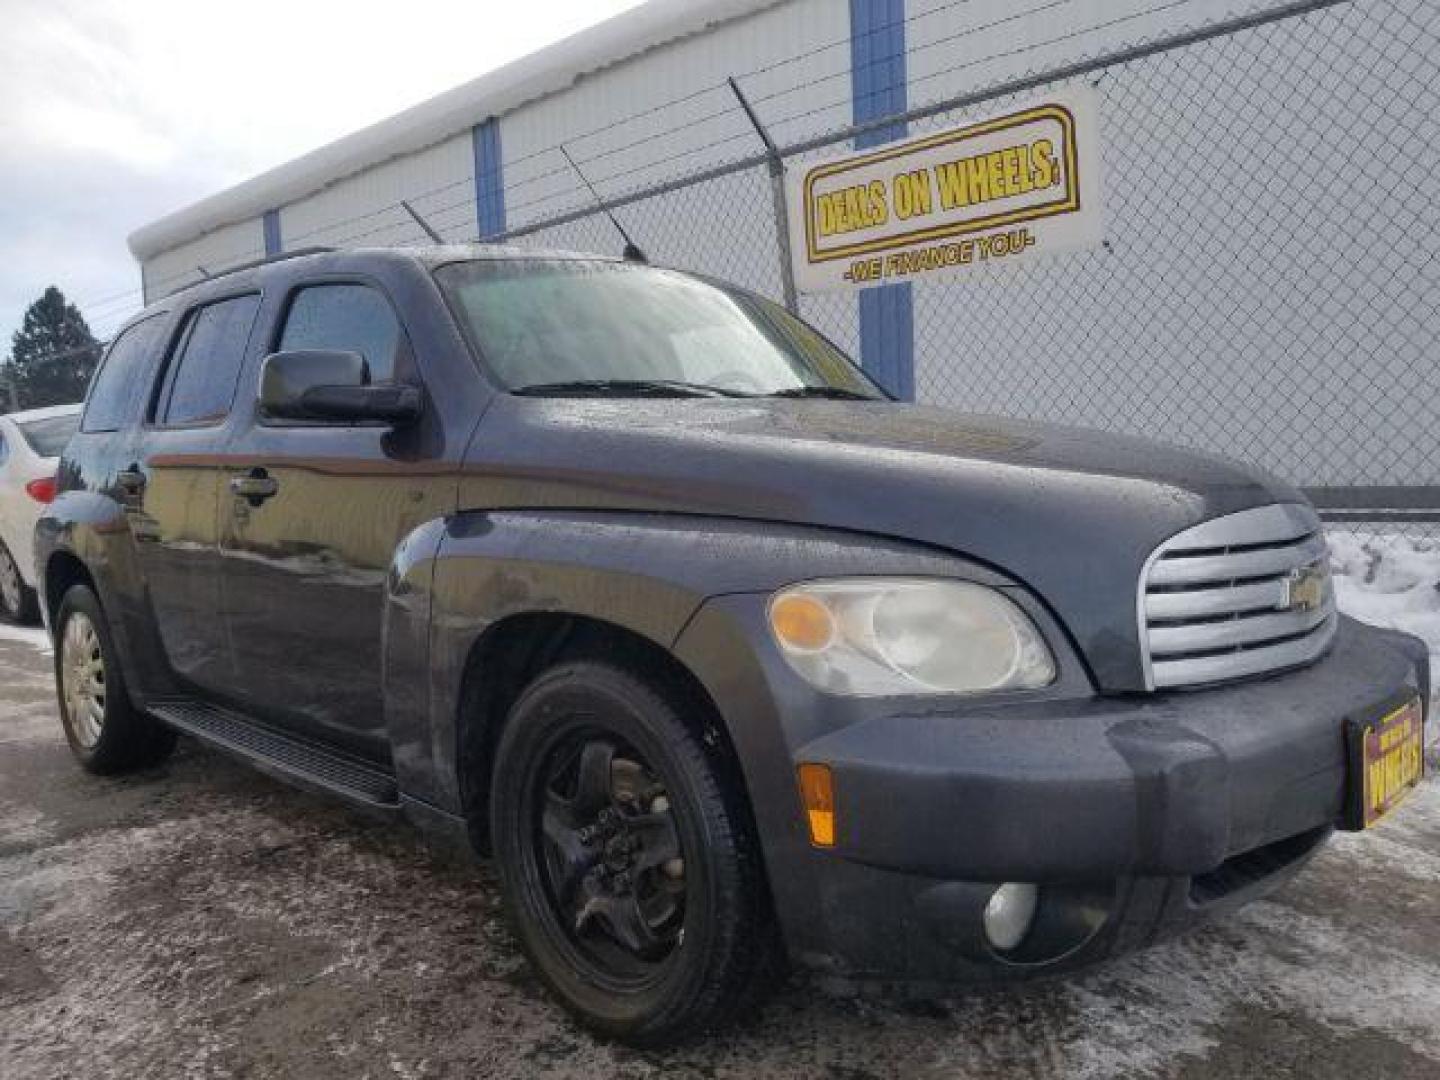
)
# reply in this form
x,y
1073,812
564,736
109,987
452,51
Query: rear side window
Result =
x,y
120,390
200,384
351,318
48,437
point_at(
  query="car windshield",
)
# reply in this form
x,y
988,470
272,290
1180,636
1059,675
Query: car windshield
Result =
x,y
577,327
48,436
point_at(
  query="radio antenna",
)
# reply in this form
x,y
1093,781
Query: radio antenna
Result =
x,y
632,250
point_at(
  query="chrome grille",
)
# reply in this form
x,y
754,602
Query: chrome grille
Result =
x,y
1240,595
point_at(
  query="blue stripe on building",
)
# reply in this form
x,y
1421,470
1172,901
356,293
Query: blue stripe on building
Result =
x,y
271,225
877,80
489,179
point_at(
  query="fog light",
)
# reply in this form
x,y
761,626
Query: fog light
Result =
x,y
1009,913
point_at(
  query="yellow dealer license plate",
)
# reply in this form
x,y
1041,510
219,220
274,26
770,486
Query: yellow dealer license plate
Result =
x,y
1390,760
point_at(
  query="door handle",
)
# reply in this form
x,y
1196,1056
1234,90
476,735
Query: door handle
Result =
x,y
255,486
131,479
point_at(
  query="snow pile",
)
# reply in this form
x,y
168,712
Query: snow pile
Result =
x,y
1389,579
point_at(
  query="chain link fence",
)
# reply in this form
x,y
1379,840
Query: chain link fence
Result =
x,y
1268,288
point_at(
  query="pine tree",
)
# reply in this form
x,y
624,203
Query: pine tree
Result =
x,y
52,355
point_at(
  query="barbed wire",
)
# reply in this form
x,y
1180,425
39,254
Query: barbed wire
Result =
x,y
680,99
731,109
332,233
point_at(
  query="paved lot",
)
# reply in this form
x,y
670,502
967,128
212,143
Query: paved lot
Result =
x,y
204,921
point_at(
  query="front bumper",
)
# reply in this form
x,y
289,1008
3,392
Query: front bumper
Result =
x,y
1136,815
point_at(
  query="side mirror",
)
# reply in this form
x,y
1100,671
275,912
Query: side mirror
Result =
x,y
334,386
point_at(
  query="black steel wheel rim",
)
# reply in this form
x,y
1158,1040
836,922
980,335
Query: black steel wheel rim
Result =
x,y
607,852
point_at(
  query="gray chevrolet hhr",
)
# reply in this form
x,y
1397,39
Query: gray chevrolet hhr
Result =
x,y
635,581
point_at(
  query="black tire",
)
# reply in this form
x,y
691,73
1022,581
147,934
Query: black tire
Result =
x,y
18,603
104,729
704,962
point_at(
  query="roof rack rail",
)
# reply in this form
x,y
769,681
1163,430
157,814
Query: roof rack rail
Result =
x,y
251,265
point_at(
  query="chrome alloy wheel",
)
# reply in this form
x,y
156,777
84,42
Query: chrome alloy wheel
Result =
x,y
11,595
82,673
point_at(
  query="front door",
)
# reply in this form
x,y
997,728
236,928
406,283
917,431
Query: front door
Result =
x,y
311,516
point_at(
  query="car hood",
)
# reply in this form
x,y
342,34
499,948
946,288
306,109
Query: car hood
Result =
x,y
1071,513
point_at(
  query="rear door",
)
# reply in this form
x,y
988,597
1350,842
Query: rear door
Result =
x,y
175,479
305,566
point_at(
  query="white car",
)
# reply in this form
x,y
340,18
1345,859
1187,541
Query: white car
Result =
x,y
30,446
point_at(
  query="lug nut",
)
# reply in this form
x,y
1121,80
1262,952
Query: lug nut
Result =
x,y
674,868
659,805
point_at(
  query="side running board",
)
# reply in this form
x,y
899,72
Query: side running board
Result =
x,y
272,750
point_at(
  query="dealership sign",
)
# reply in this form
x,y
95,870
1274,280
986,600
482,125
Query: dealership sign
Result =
x,y
1003,189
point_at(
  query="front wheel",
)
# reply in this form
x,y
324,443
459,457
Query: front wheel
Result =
x,y
105,731
17,600
629,866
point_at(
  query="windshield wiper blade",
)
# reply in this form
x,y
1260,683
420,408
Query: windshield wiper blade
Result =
x,y
623,388
837,393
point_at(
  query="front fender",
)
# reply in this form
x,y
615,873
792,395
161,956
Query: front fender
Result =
x,y
647,573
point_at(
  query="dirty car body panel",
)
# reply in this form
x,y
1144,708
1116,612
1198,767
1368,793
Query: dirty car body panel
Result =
x,y
352,610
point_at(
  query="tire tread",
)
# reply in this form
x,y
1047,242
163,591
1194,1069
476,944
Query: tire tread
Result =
x,y
130,739
745,942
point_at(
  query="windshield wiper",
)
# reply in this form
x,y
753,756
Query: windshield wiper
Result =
x,y
838,393
623,388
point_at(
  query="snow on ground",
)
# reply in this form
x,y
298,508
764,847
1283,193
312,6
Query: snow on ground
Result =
x,y
28,635
1389,579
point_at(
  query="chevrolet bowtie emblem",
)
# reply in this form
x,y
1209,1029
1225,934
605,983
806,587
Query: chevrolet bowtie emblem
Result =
x,y
1305,588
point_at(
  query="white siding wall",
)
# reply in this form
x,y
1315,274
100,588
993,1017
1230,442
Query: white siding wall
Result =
x,y
724,227
217,250
956,48
362,210
610,126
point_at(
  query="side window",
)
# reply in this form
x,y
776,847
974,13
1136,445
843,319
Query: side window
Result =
x,y
122,387
354,318
200,383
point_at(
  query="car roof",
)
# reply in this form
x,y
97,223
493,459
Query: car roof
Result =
x,y
430,256
346,260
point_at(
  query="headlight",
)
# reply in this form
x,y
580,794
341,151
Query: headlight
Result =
x,y
874,636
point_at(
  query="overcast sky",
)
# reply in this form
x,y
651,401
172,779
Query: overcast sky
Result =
x,y
115,112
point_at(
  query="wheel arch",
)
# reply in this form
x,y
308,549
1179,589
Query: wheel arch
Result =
x,y
510,654
503,587
63,569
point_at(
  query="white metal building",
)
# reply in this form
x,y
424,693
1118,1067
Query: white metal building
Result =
x,y
1237,245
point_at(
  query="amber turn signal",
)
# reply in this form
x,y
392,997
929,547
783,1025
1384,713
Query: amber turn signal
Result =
x,y
817,793
802,623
